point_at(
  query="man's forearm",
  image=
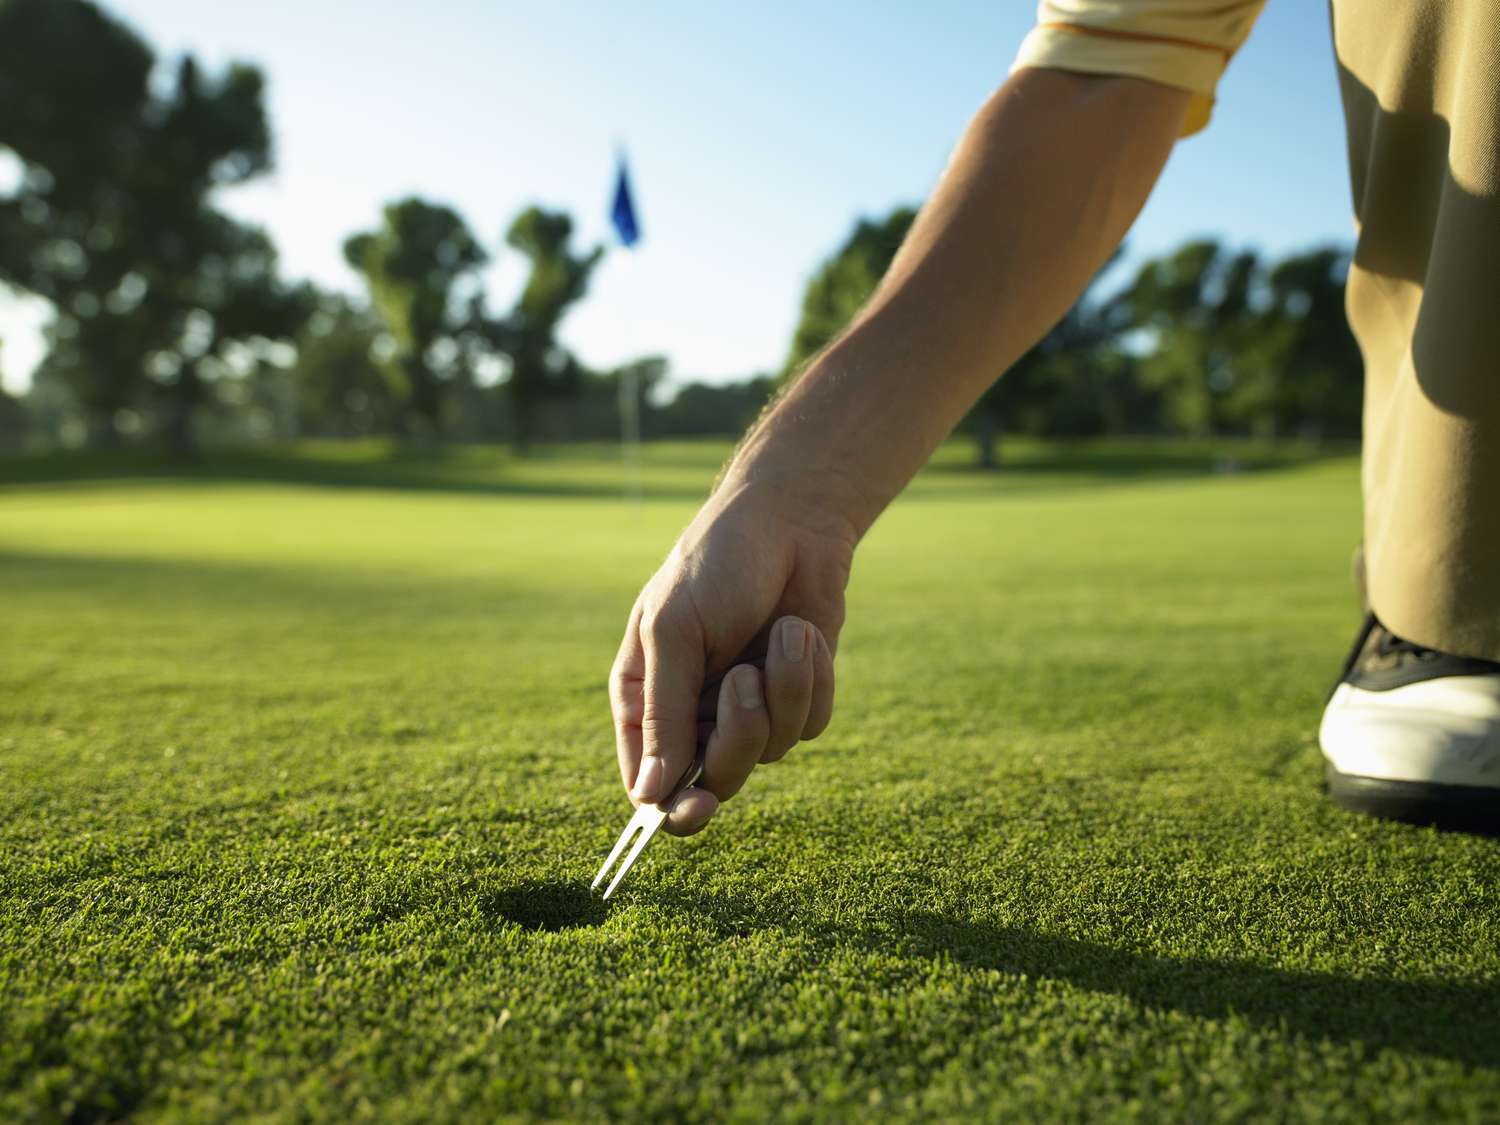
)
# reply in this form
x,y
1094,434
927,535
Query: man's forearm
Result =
x,y
1046,181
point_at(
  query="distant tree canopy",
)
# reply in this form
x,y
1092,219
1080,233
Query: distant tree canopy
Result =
x,y
705,409
417,267
1318,389
842,284
343,389
411,265
153,286
1237,345
1203,341
540,366
1071,381
171,319
12,423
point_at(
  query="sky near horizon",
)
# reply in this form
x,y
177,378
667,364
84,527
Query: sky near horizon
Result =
x,y
756,135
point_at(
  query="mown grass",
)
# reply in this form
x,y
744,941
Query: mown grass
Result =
x,y
301,785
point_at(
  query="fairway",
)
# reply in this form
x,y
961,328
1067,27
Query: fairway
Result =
x,y
305,767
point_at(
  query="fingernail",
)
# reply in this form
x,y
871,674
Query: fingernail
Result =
x,y
647,780
747,687
794,640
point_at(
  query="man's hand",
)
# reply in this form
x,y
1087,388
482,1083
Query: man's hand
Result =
x,y
730,646
1046,181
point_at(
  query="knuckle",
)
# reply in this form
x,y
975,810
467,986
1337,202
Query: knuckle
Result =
x,y
656,727
829,623
653,625
618,682
661,624
627,710
625,704
834,616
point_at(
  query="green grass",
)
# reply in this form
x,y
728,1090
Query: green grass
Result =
x,y
301,786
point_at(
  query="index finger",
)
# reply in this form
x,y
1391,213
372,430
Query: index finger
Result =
x,y
674,661
627,699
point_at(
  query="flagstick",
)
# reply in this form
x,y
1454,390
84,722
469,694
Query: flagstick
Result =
x,y
622,211
630,433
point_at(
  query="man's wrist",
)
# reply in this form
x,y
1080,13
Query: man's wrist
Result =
x,y
808,486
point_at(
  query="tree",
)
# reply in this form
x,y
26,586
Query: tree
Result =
x,y
1235,345
1321,371
1202,341
640,379
712,409
73,90
1060,385
113,219
540,367
591,407
343,389
844,282
12,415
412,265
229,311
1196,307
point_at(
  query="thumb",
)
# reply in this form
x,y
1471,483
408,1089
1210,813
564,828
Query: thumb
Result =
x,y
673,647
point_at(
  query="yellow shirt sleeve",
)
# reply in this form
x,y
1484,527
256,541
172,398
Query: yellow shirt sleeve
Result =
x,y
1182,43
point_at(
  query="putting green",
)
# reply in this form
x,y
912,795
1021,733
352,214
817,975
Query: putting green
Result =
x,y
302,783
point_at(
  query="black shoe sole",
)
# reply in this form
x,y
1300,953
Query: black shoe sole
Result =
x,y
1458,808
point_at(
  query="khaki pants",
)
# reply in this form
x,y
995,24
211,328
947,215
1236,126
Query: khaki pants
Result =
x,y
1421,89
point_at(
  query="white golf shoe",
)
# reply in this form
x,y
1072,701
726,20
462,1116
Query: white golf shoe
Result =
x,y
1413,734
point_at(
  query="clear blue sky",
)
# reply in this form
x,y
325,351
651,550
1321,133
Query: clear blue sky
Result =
x,y
756,133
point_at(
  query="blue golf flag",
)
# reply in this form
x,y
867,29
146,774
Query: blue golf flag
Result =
x,y
622,211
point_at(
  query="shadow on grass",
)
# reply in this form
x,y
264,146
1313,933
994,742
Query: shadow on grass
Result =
x,y
464,470
1450,1020
220,590
1126,458
551,905
674,471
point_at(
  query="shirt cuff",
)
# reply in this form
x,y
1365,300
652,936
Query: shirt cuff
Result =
x,y
1172,62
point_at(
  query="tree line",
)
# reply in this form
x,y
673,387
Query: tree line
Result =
x,y
172,322
1204,341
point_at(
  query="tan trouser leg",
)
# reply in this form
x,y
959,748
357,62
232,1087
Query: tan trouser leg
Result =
x,y
1422,103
